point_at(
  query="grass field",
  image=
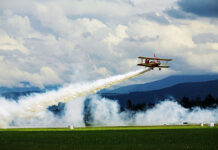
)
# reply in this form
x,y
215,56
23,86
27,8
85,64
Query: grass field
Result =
x,y
149,137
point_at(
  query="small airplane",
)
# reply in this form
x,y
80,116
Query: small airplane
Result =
x,y
153,62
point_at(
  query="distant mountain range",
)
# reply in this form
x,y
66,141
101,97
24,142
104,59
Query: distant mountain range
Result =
x,y
178,91
160,84
16,92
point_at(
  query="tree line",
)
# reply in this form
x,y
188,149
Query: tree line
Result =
x,y
208,102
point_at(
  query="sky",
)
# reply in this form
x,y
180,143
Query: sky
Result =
x,y
47,42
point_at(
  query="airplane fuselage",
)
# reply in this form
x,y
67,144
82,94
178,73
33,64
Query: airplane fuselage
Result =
x,y
151,64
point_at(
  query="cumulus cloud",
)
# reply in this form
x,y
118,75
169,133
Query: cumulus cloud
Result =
x,y
8,43
11,76
156,17
120,34
87,40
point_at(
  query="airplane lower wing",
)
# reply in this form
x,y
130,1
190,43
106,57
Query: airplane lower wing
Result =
x,y
142,64
163,66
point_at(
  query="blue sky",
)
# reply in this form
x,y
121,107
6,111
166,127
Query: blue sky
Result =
x,y
56,42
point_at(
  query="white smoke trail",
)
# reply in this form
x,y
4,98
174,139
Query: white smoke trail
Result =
x,y
72,114
33,106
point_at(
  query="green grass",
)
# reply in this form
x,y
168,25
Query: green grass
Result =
x,y
150,137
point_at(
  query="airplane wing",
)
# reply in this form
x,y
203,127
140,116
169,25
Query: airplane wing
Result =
x,y
151,58
163,66
165,59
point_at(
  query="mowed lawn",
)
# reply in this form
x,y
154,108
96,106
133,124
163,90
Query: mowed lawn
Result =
x,y
159,137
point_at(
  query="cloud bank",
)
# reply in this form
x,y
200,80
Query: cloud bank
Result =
x,y
57,42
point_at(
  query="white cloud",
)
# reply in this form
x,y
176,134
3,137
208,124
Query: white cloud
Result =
x,y
11,76
48,42
178,35
9,44
205,61
118,36
16,25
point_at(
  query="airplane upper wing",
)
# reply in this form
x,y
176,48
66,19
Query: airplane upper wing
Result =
x,y
151,58
166,59
146,58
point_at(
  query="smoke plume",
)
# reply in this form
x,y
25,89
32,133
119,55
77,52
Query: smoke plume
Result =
x,y
105,112
35,105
